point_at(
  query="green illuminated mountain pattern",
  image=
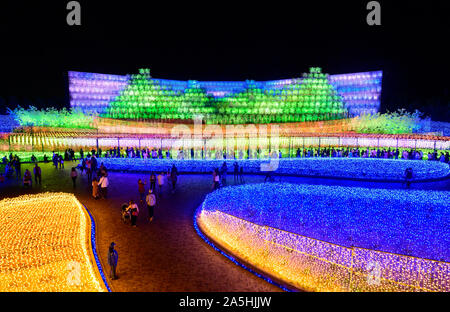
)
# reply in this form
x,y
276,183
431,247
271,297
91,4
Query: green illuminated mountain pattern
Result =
x,y
311,99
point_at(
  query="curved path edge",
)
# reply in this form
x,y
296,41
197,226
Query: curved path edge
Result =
x,y
238,260
94,251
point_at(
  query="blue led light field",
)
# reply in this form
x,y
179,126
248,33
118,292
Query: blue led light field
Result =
x,y
407,222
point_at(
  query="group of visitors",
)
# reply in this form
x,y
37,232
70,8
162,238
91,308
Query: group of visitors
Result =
x,y
13,166
58,160
411,154
132,210
100,183
220,175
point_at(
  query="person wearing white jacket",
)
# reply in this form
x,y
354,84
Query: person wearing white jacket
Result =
x,y
103,184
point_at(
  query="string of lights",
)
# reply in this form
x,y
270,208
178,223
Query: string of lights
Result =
x,y
45,245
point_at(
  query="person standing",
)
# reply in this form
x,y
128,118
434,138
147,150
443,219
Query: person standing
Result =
x,y
216,179
17,167
174,177
89,169
152,181
103,183
241,174
113,258
27,178
141,190
408,176
74,175
223,173
95,188
236,172
37,174
134,212
61,162
151,203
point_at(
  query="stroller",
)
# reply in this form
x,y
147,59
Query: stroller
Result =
x,y
126,217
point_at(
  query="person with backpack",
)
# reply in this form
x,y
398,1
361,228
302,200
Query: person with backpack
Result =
x,y
151,203
113,258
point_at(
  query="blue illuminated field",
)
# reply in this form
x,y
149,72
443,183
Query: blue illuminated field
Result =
x,y
407,222
351,168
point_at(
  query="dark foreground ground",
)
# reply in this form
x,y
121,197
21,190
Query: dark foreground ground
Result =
x,y
167,254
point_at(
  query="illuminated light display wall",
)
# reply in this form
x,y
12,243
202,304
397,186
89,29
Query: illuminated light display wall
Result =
x,y
290,233
46,245
357,168
315,96
59,141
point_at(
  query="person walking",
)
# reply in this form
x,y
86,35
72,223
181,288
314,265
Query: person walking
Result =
x,y
95,187
103,183
74,175
83,165
37,174
89,169
160,179
113,258
151,203
141,190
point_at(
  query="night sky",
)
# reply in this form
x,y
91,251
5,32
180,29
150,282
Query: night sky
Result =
x,y
226,40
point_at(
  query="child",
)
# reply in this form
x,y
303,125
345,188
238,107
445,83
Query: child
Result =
x,y
95,188
27,178
74,175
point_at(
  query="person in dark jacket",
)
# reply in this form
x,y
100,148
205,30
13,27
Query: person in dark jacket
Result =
x,y
113,258
408,177
174,177
37,174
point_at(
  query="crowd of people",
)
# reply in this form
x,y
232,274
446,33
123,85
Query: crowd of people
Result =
x,y
411,154
154,153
